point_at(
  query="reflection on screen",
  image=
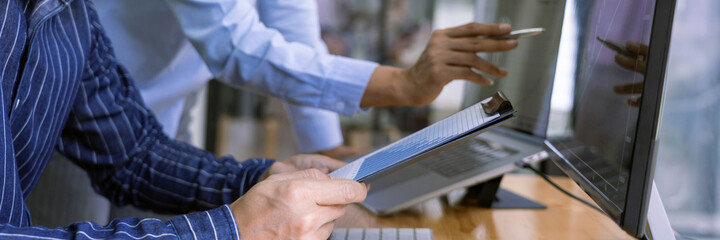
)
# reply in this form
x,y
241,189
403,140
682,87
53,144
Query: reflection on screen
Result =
x,y
611,47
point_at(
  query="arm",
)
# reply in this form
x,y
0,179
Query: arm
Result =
x,y
236,46
190,226
228,35
315,129
112,135
297,21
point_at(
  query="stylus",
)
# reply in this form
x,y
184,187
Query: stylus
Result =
x,y
617,47
523,33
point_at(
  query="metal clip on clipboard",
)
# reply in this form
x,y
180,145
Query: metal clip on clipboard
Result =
x,y
498,103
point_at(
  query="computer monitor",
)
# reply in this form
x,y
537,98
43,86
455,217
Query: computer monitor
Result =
x,y
613,55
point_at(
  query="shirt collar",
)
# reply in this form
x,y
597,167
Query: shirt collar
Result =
x,y
39,10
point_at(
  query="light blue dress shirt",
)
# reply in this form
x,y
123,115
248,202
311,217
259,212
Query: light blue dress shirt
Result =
x,y
282,56
236,46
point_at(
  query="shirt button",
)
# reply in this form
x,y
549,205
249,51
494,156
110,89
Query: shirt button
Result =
x,y
340,105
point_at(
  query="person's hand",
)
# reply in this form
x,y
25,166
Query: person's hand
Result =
x,y
304,161
634,64
340,152
630,89
297,205
450,55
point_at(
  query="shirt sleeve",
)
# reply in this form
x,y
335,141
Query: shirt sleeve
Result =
x,y
315,129
236,46
217,223
297,20
115,138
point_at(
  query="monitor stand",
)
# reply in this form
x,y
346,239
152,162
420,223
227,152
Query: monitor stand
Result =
x,y
489,195
658,225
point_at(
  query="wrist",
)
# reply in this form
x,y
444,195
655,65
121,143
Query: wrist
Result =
x,y
386,88
217,223
277,167
270,171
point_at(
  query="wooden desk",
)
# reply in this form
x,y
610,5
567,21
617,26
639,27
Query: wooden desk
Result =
x,y
565,218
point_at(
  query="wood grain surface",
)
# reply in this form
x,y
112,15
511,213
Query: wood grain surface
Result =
x,y
565,218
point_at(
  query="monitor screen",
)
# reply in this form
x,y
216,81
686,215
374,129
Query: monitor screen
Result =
x,y
610,71
605,118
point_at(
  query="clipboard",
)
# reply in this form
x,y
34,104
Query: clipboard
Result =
x,y
454,129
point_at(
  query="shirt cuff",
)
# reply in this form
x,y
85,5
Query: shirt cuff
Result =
x,y
315,129
217,223
346,83
253,169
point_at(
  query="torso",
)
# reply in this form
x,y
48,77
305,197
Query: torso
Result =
x,y
44,47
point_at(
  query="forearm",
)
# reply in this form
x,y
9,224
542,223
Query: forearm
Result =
x,y
174,177
243,52
384,88
315,129
147,169
296,20
228,35
217,223
128,157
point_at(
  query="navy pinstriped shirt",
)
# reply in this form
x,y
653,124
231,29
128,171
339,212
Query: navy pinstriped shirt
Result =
x,y
62,87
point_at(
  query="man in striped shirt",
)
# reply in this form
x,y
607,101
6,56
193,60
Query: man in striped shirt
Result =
x,y
62,87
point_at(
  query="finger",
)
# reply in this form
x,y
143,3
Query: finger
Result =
x,y
633,88
316,161
473,44
324,231
281,167
634,102
328,163
340,152
472,60
625,62
630,63
309,174
636,47
337,192
466,74
322,215
478,29
332,213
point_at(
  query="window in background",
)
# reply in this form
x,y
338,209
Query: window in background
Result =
x,y
689,154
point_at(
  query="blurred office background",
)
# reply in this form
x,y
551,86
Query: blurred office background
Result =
x,y
689,155
230,121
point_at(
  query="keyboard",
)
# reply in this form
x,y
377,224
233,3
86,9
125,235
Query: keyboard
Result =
x,y
381,234
465,157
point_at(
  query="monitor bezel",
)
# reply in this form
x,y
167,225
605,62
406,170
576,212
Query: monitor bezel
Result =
x,y
634,216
